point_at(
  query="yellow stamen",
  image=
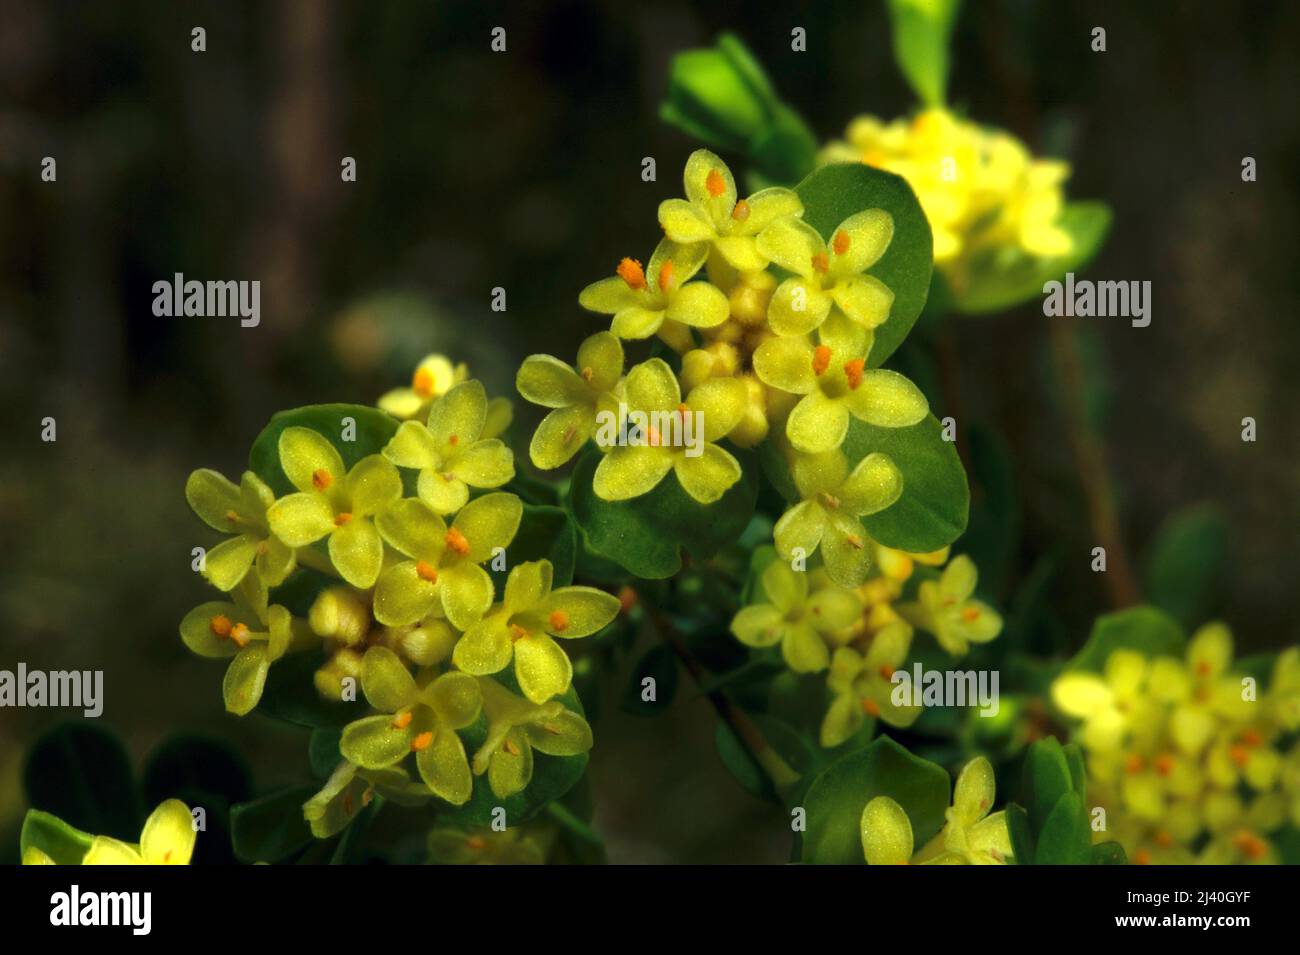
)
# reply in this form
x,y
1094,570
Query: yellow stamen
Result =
x,y
821,359
220,625
457,541
239,634
321,479
715,183
828,500
423,741
853,372
854,541
511,748
587,374
630,271
841,242
423,382
402,720
559,621
517,632
426,571
232,517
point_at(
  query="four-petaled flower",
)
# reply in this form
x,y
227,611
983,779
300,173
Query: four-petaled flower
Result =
x,y
450,452
834,382
419,717
521,628
834,499
444,562
948,609
333,503
578,397
660,301
828,276
516,727
862,684
240,511
654,400
711,213
801,622
167,839
433,378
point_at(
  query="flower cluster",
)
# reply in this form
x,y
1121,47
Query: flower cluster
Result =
x,y
413,616
862,635
970,836
986,196
771,325
1193,762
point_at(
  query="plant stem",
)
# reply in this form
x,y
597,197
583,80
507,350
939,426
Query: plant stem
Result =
x,y
572,823
310,557
777,769
1094,471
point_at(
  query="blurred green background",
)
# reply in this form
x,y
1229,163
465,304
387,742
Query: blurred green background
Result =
x,y
523,170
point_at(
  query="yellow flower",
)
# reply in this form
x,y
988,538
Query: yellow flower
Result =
x,y
710,212
433,378
949,610
661,301
970,835
827,518
802,622
863,688
671,435
577,395
167,839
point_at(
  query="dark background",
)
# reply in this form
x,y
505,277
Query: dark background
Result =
x,y
522,170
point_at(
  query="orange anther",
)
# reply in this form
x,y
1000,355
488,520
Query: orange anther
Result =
x,y
871,708
239,634
457,541
232,517
321,479
970,614
423,382
423,741
1134,764
626,599
1142,857
1164,839
820,262
587,374
453,439
402,720
666,275
886,671
853,372
741,212
841,242
821,359
1202,667
341,519
715,183
1251,738
476,843
559,621
1164,764
517,632
511,748
220,625
1250,845
629,270
1239,755
426,571
853,541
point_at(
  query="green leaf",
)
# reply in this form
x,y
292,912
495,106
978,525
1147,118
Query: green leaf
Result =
x,y
1047,778
922,30
272,828
995,287
63,843
323,751
1022,836
646,534
837,797
1108,853
935,504
992,535
795,749
659,663
1184,565
1078,771
374,428
81,774
545,533
1065,837
833,193
1149,631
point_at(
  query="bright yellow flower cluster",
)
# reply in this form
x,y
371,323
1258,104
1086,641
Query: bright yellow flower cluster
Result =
x,y
1191,760
414,620
984,193
764,353
862,635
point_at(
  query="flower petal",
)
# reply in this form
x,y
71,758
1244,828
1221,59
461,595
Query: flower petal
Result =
x,y
699,305
709,476
630,471
804,649
373,742
373,484
864,298
799,530
412,527
759,625
385,680
792,244
456,698
357,552
784,586
972,796
561,435
843,718
709,183
169,835
485,648
511,768
886,832
226,564
301,519
303,453
578,611
485,464
786,364
683,222
458,416
198,634
566,734
957,582
860,241
720,403
798,306
887,400
213,497
652,386
413,447
542,667
874,484
488,523
245,679
602,353
444,493
549,382
466,594
609,296
637,322
444,767
817,423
